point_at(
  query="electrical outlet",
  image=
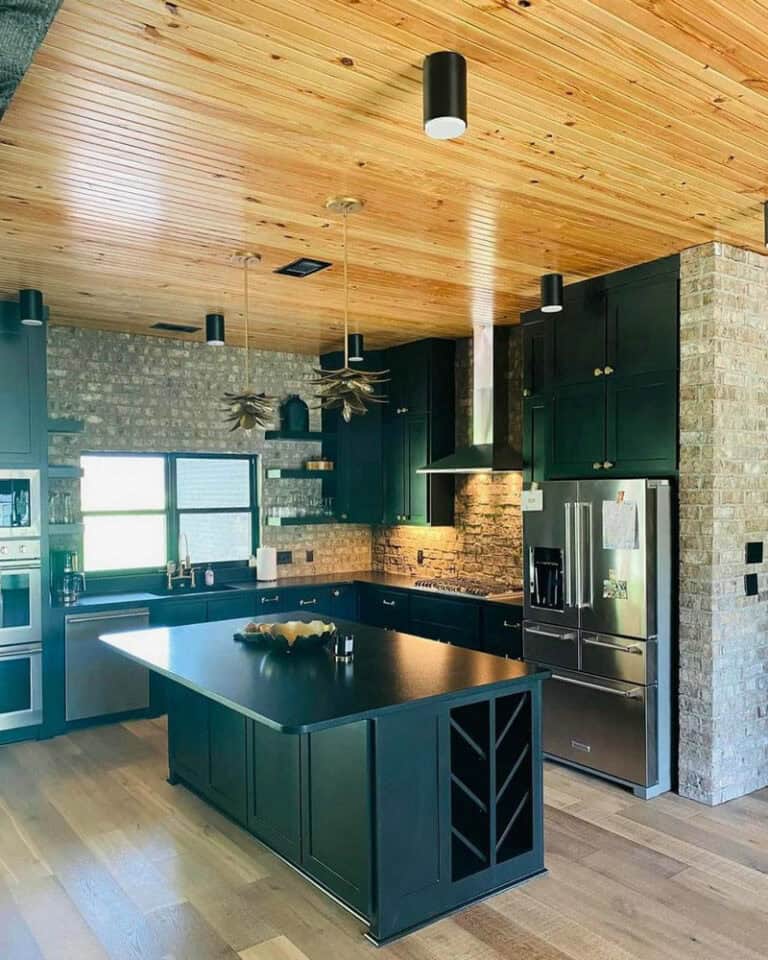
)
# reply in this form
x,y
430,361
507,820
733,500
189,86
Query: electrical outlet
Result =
x,y
310,556
284,556
750,584
755,551
419,557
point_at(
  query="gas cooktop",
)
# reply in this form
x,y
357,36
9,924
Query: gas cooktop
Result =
x,y
470,588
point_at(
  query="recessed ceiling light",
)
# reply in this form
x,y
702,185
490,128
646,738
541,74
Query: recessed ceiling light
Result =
x,y
303,267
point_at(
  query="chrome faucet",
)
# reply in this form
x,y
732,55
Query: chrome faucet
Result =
x,y
186,570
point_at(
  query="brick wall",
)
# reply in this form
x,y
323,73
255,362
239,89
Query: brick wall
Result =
x,y
723,504
487,538
144,394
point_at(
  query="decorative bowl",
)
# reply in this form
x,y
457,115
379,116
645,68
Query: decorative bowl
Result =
x,y
293,636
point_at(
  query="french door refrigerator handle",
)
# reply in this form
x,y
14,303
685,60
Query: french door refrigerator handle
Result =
x,y
585,566
569,567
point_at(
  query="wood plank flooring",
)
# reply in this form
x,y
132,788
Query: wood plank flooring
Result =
x,y
100,859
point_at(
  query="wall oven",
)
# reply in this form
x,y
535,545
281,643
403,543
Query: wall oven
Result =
x,y
20,634
20,509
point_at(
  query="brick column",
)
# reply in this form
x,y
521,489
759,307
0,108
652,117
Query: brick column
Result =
x,y
723,504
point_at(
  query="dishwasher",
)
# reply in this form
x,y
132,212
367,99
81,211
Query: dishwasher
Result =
x,y
100,681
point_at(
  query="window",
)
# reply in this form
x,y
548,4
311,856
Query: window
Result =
x,y
141,510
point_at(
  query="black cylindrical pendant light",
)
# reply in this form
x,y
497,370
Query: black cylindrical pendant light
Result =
x,y
445,95
355,348
214,330
552,293
31,308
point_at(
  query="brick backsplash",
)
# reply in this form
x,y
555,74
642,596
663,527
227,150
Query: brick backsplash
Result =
x,y
146,394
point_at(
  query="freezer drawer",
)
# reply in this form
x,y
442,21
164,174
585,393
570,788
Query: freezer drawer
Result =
x,y
100,681
601,724
554,646
619,658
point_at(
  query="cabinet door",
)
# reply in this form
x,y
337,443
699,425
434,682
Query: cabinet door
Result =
x,y
446,620
233,606
642,424
344,603
409,367
395,488
274,805
537,437
537,354
177,613
227,780
358,473
643,326
416,456
272,601
578,340
578,431
188,735
22,389
308,599
388,609
503,630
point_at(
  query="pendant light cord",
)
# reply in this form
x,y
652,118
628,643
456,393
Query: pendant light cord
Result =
x,y
245,301
346,293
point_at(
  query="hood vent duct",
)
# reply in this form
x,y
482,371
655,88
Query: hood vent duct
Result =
x,y
496,445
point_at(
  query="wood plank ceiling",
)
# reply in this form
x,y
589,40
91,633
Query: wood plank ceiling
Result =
x,y
151,139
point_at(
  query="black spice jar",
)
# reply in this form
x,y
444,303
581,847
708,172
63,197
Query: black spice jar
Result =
x,y
294,415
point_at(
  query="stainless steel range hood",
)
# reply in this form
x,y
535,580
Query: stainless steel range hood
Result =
x,y
496,408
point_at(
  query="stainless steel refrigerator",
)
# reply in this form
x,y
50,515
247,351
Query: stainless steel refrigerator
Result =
x,y
597,572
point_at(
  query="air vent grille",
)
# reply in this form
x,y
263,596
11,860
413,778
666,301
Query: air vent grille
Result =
x,y
175,327
303,267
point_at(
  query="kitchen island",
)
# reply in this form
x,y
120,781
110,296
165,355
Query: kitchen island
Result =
x,y
406,783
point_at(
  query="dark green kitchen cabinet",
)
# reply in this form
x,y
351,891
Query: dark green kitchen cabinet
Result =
x,y
537,353
578,430
232,606
344,602
274,798
307,599
578,338
537,438
642,327
23,434
275,600
410,442
385,608
420,374
177,613
641,424
502,630
207,748
446,620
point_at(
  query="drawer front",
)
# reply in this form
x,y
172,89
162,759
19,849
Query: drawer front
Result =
x,y
271,601
503,631
554,646
308,599
388,609
604,725
619,658
454,613
228,608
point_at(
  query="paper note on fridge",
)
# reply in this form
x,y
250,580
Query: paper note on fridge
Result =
x,y
619,525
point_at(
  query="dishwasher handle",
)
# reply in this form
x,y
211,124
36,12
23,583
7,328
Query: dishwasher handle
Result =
x,y
140,613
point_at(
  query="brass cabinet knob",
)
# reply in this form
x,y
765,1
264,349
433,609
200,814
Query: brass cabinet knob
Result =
x,y
598,371
608,465
608,371
344,516
597,466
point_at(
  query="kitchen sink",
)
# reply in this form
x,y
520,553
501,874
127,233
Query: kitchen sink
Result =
x,y
192,592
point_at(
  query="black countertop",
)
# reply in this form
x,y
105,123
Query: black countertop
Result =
x,y
298,693
92,602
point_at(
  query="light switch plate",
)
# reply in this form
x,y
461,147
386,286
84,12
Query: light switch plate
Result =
x,y
750,584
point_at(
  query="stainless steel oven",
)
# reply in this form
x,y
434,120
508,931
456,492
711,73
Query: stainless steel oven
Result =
x,y
21,686
20,592
20,508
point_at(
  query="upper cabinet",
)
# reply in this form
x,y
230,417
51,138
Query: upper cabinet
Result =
x,y
23,437
600,378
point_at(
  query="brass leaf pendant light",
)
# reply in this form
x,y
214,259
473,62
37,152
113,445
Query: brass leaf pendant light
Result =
x,y
348,389
248,409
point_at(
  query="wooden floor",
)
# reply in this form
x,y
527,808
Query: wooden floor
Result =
x,y
101,858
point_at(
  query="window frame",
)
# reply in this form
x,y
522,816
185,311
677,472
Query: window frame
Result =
x,y
172,512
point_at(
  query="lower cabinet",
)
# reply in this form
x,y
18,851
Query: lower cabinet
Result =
x,y
274,797
232,606
502,632
381,607
207,748
308,599
344,601
450,621
178,613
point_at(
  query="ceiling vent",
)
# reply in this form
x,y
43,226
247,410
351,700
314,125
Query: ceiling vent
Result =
x,y
175,327
303,267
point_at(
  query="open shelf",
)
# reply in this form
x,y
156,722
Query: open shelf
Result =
x,y
63,472
305,436
282,473
298,521
65,425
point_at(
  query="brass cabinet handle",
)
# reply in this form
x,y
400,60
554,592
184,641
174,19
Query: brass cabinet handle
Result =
x,y
389,603
597,466
608,371
308,603
608,465
598,371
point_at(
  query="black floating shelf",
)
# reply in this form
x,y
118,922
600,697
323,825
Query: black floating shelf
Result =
x,y
278,473
305,436
63,472
65,426
298,521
